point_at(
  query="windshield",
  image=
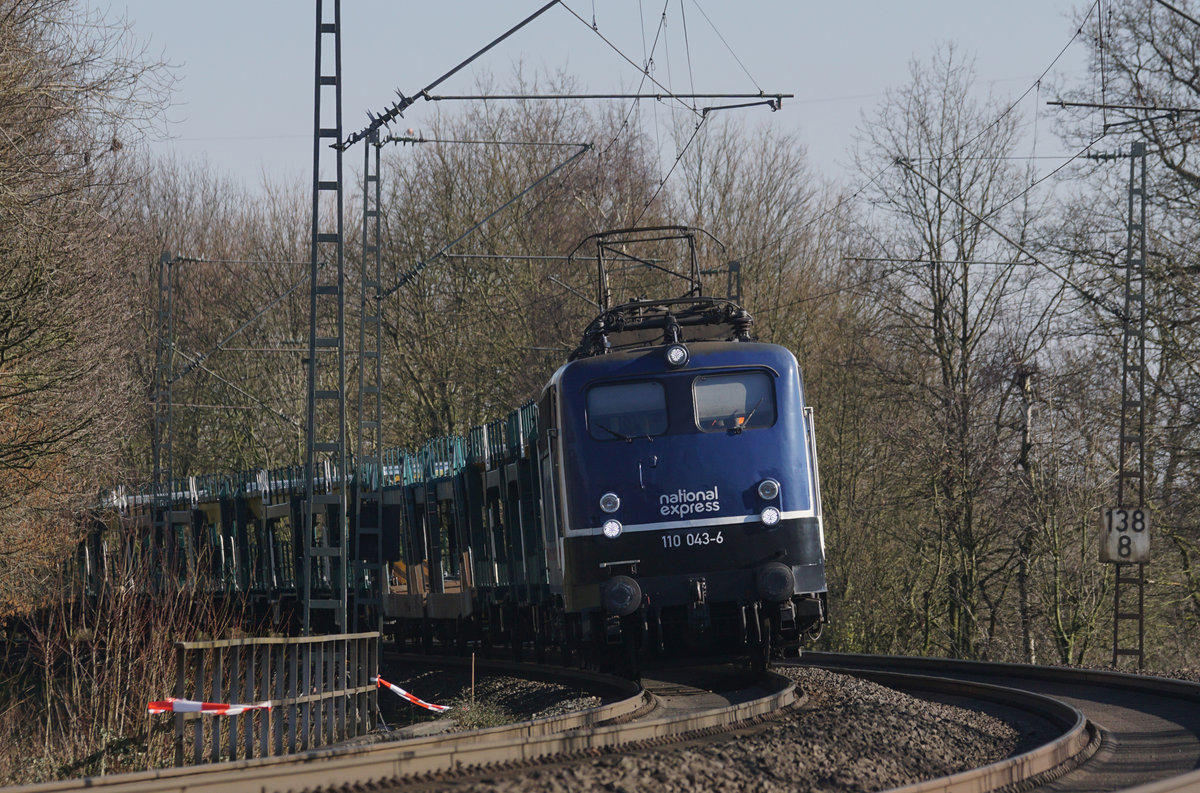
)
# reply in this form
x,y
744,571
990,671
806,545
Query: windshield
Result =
x,y
624,411
745,400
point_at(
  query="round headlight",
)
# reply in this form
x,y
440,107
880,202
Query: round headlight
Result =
x,y
770,516
612,528
610,502
677,355
768,489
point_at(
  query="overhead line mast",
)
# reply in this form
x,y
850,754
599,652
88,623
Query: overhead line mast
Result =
x,y
370,575
1125,529
326,524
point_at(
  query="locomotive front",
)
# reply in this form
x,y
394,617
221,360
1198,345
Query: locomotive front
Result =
x,y
683,500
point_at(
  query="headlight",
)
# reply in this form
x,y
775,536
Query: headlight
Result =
x,y
769,516
768,489
677,355
610,502
612,528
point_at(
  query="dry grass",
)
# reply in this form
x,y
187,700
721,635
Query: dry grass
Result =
x,y
73,701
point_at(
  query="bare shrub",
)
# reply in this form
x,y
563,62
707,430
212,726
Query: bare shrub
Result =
x,y
75,704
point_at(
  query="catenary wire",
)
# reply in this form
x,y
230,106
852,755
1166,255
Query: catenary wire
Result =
x,y
397,108
662,183
201,260
274,411
687,47
646,64
871,281
726,43
627,59
200,360
403,139
421,265
878,174
1188,17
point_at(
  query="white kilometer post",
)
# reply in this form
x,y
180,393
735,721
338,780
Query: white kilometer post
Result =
x,y
1125,535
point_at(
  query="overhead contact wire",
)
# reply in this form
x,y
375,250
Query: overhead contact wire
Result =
x,y
200,360
726,43
878,174
687,48
627,59
662,182
647,62
243,391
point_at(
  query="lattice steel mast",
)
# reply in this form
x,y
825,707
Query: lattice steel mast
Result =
x,y
371,573
1131,470
324,586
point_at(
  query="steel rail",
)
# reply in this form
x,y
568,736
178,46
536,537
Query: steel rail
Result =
x,y
1111,685
579,734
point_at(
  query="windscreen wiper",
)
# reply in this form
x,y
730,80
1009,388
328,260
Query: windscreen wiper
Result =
x,y
737,429
614,433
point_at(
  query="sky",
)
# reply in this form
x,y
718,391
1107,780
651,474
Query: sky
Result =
x,y
245,68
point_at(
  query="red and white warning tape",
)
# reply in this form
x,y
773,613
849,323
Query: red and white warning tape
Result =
x,y
414,700
172,705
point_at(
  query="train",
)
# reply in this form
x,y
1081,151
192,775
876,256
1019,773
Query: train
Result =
x,y
659,499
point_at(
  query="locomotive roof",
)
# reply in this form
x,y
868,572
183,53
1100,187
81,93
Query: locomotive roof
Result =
x,y
648,361
649,323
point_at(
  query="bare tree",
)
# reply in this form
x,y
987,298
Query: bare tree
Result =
x,y
73,97
961,315
240,315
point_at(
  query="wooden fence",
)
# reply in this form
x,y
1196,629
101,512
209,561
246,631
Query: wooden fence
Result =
x,y
321,691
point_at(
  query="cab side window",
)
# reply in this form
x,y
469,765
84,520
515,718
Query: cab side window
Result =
x,y
623,411
745,400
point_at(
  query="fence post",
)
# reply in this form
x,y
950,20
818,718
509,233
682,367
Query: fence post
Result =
x,y
279,720
180,682
247,670
293,692
355,701
198,724
330,705
235,674
218,695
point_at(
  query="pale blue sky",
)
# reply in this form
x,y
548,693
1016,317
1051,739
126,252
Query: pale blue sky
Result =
x,y
244,100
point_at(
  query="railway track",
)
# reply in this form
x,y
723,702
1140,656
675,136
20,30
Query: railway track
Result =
x,y
1143,732
1110,731
686,707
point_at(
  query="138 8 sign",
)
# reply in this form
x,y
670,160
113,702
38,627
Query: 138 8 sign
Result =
x,y
1125,535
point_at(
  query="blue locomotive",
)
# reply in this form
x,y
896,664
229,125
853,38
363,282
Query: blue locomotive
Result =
x,y
680,498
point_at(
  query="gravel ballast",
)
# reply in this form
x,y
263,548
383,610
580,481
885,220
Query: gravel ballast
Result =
x,y
852,735
498,699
